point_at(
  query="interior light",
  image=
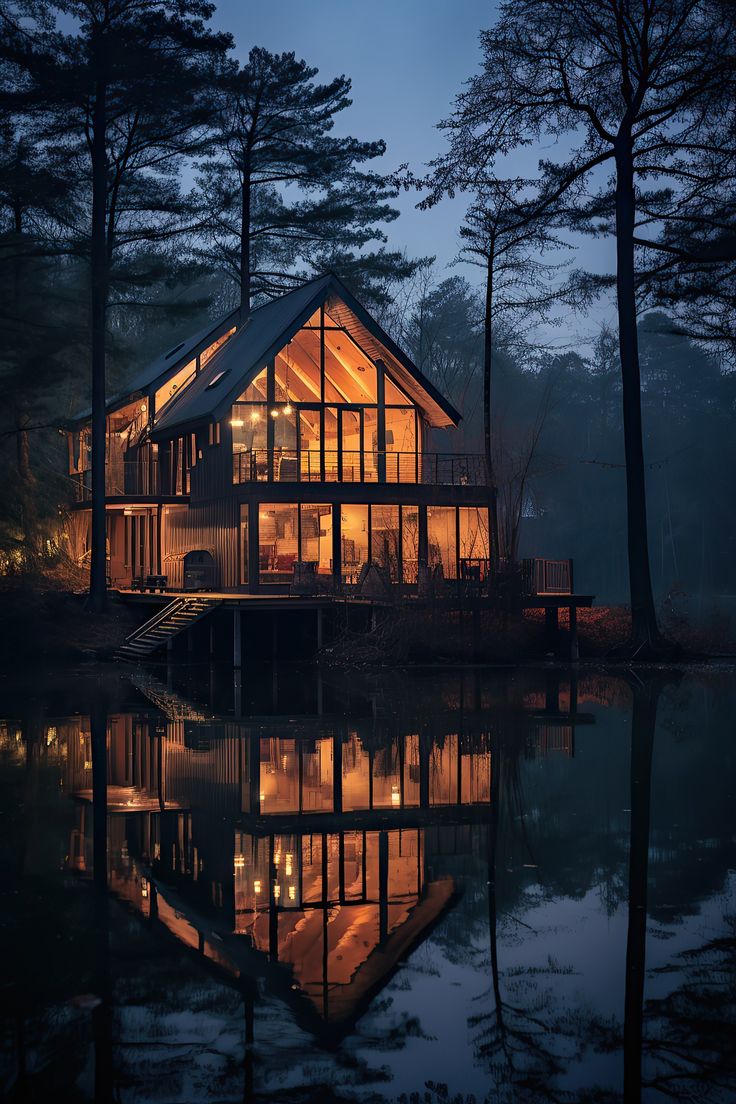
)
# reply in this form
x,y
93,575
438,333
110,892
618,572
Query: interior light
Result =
x,y
274,413
292,893
144,408
287,408
236,421
276,892
257,886
255,416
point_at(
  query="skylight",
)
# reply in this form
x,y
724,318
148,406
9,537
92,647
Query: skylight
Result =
x,y
216,379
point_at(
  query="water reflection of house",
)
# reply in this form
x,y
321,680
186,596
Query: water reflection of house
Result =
x,y
309,848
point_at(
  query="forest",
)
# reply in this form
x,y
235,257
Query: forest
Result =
x,y
155,174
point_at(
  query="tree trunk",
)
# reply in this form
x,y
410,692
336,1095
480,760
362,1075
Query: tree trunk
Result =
x,y
26,491
645,636
487,415
26,480
245,248
99,284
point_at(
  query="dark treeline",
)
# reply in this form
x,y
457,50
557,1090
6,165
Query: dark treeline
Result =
x,y
558,443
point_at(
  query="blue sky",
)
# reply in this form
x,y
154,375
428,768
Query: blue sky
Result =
x,y
407,60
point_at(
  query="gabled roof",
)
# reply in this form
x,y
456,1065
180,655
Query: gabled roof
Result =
x,y
210,396
167,364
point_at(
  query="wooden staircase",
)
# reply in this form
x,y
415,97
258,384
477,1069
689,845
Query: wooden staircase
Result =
x,y
173,619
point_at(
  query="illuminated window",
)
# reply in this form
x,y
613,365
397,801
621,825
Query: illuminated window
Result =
x,y
385,539
442,539
401,445
353,541
316,536
173,386
256,390
410,542
475,544
278,541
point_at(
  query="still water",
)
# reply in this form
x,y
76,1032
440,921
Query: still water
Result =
x,y
457,886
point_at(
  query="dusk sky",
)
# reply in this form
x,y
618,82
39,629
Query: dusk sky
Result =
x,y
407,60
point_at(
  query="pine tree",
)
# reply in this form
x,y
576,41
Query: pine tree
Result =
x,y
125,96
283,196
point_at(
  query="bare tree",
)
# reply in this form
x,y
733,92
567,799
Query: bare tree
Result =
x,y
635,86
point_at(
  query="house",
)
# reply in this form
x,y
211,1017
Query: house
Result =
x,y
303,437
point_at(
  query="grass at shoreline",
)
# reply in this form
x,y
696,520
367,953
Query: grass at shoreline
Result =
x,y
45,619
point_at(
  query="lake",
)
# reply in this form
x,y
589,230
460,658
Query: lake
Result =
x,y
449,885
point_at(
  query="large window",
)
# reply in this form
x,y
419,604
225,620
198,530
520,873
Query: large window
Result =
x,y
316,536
353,541
442,539
244,551
250,457
475,545
409,543
385,531
401,444
278,541
458,540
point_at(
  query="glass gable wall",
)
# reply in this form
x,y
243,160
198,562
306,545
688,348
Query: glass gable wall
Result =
x,y
323,411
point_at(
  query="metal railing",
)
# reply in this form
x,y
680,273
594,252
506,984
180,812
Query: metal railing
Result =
x,y
125,478
542,576
335,466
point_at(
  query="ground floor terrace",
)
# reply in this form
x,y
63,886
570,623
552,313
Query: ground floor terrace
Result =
x,y
275,543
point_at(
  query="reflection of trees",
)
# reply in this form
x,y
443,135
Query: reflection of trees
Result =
x,y
529,1037
646,691
680,1044
690,1031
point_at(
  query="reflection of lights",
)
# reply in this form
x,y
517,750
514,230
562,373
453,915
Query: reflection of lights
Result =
x,y
395,795
292,893
239,862
277,858
50,735
276,892
262,796
257,886
144,887
289,860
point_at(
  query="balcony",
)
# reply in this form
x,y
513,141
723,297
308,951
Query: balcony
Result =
x,y
333,466
123,479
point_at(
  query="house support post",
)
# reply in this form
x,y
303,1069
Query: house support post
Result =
x,y
237,692
551,628
237,640
574,647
